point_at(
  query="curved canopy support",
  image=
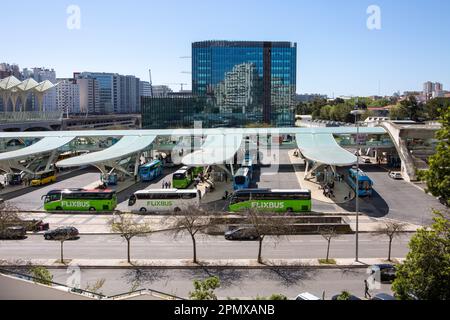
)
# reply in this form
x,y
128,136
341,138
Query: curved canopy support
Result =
x,y
126,146
216,149
323,148
42,146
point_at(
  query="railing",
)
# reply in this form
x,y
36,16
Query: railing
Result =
x,y
30,116
52,284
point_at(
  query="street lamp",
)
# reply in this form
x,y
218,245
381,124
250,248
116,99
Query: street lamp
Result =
x,y
357,112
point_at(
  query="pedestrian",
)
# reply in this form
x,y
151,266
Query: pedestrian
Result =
x,y
170,185
163,184
349,195
167,185
226,177
367,294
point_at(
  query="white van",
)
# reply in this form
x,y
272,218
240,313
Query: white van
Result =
x,y
307,296
164,200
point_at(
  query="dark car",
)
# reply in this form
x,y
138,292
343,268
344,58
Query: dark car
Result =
x,y
383,296
62,233
350,298
242,234
10,233
387,272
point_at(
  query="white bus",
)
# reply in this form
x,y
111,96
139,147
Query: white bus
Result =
x,y
163,200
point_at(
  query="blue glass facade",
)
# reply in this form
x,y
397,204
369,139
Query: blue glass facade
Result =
x,y
234,84
256,79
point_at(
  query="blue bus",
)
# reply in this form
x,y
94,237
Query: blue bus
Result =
x,y
242,179
248,164
150,171
365,183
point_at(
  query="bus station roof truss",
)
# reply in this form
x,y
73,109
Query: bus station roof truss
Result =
x,y
323,149
126,146
217,149
43,146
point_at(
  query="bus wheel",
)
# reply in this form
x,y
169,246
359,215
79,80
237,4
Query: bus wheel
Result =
x,y
92,209
59,208
177,210
290,210
143,210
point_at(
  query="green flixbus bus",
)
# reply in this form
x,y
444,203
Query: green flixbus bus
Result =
x,y
271,200
80,200
183,178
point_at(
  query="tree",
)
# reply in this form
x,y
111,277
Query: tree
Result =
x,y
8,216
265,225
413,108
392,230
434,107
192,221
345,295
63,238
398,112
129,228
96,286
438,175
425,274
328,234
204,290
41,275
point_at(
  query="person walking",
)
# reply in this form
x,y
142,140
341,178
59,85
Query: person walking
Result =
x,y
163,184
367,294
169,184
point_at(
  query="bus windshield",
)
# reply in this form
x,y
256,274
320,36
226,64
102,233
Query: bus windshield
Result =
x,y
239,180
179,176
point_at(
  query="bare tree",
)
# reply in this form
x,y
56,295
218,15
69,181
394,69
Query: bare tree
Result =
x,y
8,215
96,286
391,229
192,221
128,228
263,224
328,234
63,238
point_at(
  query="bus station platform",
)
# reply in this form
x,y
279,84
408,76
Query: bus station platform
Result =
x,y
341,190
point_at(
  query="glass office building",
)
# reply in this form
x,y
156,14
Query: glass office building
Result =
x,y
235,84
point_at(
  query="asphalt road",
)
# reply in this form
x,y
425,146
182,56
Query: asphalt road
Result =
x,y
234,283
163,246
404,201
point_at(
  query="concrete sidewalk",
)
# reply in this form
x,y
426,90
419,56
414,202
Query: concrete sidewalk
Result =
x,y
341,191
93,224
188,264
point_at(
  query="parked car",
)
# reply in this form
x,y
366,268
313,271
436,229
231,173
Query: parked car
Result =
x,y
387,272
351,297
307,296
242,234
383,296
396,175
62,233
17,232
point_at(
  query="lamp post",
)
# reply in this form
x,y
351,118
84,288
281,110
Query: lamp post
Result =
x,y
357,112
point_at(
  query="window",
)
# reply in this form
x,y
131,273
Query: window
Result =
x,y
179,176
187,196
240,180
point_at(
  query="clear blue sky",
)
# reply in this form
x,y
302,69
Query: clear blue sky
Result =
x,y
337,53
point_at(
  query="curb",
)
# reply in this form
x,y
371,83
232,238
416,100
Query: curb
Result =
x,y
203,267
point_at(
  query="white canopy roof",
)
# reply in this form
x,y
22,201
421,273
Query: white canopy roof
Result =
x,y
323,148
9,83
123,148
216,149
43,146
